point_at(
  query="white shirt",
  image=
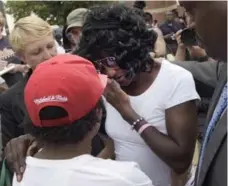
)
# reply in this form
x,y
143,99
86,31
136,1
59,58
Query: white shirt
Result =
x,y
172,86
84,170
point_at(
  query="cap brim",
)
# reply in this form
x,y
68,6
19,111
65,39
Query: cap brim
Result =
x,y
77,24
104,79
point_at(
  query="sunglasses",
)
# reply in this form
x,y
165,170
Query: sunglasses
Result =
x,y
108,62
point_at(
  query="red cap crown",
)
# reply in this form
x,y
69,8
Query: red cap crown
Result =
x,y
67,81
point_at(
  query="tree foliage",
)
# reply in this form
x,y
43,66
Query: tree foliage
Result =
x,y
55,12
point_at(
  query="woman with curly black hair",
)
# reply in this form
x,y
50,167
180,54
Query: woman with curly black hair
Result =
x,y
151,111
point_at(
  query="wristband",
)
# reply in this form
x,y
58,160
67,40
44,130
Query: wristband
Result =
x,y
135,123
144,127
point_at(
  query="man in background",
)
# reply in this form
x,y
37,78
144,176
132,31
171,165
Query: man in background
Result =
x,y
169,29
160,45
212,164
72,31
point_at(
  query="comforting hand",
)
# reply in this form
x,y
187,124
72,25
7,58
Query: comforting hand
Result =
x,y
16,151
116,96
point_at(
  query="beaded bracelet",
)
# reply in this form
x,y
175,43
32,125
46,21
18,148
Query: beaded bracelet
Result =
x,y
135,123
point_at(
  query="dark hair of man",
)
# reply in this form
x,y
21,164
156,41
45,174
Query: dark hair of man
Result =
x,y
65,134
148,17
120,32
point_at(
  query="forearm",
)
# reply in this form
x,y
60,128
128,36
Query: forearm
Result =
x,y
180,54
160,47
167,37
166,148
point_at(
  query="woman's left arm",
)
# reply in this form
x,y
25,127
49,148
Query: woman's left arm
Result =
x,y
176,148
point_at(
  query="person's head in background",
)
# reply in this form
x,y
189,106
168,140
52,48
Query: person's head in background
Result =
x,y
2,24
175,14
75,21
57,32
188,20
32,40
169,16
118,41
139,4
60,118
148,18
213,33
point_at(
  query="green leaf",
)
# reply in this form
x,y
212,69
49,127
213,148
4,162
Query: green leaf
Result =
x,y
55,12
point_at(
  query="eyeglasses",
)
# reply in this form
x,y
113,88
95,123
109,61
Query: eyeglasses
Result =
x,y
108,62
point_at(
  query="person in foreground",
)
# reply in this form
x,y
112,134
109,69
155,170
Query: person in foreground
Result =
x,y
65,117
212,167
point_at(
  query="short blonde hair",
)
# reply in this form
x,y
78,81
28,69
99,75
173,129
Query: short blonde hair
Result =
x,y
28,29
2,20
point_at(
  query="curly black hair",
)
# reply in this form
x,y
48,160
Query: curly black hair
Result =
x,y
65,134
118,31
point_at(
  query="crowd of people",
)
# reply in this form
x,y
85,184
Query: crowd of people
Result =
x,y
116,98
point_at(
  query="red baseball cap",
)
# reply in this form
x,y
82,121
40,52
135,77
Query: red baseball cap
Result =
x,y
67,81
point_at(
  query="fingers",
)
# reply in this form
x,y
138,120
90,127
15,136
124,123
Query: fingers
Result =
x,y
178,32
33,149
112,87
178,38
15,153
12,159
19,163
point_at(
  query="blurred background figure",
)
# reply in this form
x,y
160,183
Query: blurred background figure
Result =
x,y
57,33
160,45
169,29
189,44
140,5
8,57
72,29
